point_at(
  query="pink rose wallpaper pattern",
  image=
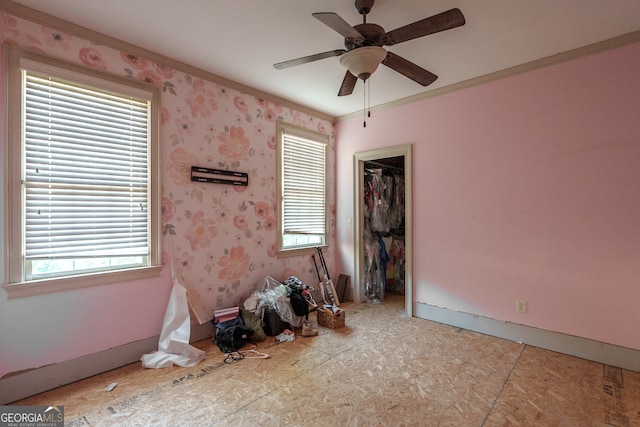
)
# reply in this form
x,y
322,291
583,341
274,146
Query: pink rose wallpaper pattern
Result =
x,y
222,238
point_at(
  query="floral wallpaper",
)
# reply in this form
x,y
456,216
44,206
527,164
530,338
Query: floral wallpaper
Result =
x,y
220,239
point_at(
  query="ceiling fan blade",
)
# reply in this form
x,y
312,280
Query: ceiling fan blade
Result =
x,y
310,58
348,83
443,21
409,69
335,22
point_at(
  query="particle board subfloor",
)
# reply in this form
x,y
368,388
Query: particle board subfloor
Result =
x,y
382,369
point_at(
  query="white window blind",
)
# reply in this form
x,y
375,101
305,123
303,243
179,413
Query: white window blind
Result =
x,y
86,179
304,187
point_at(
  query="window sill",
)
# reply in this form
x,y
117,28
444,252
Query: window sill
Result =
x,y
45,286
284,253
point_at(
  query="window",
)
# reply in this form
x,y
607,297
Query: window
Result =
x,y
302,169
83,195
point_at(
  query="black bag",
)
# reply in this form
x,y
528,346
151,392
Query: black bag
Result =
x,y
273,323
232,338
228,323
299,304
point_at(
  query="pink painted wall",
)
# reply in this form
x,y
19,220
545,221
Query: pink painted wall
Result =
x,y
203,124
524,188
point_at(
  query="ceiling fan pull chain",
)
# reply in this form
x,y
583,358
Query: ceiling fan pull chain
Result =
x,y
369,94
364,103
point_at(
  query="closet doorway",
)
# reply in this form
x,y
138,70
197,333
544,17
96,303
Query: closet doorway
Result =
x,y
372,169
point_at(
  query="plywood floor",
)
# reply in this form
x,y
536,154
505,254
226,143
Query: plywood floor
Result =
x,y
381,369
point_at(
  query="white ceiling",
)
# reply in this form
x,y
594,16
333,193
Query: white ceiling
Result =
x,y
241,39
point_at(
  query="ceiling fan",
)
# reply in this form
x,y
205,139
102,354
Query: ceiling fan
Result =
x,y
363,43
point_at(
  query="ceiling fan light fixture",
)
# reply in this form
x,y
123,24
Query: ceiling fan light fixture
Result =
x,y
362,62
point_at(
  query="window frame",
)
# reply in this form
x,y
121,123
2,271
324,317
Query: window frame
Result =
x,y
13,238
283,129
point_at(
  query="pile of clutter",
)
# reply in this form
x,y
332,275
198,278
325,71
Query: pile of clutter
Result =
x,y
275,311
283,306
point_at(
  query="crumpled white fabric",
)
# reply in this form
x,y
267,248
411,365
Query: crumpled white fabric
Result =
x,y
173,346
285,336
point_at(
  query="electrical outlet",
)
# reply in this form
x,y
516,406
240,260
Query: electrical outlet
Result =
x,y
521,306
219,301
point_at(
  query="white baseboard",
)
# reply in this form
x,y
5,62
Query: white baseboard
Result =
x,y
584,348
37,380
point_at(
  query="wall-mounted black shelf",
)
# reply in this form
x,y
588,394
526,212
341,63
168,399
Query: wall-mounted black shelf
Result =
x,y
219,176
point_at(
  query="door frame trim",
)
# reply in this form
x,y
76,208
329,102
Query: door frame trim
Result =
x,y
358,209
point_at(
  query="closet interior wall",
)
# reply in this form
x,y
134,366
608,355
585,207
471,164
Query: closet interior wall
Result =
x,y
384,228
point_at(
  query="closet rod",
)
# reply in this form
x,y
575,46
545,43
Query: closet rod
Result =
x,y
373,162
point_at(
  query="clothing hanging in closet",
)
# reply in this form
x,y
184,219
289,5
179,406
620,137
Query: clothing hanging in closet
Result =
x,y
384,230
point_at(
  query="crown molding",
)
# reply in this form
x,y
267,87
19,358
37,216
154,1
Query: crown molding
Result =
x,y
569,55
42,18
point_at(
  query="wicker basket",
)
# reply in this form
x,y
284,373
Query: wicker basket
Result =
x,y
331,320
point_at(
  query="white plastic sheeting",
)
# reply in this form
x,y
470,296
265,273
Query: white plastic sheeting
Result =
x,y
173,346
